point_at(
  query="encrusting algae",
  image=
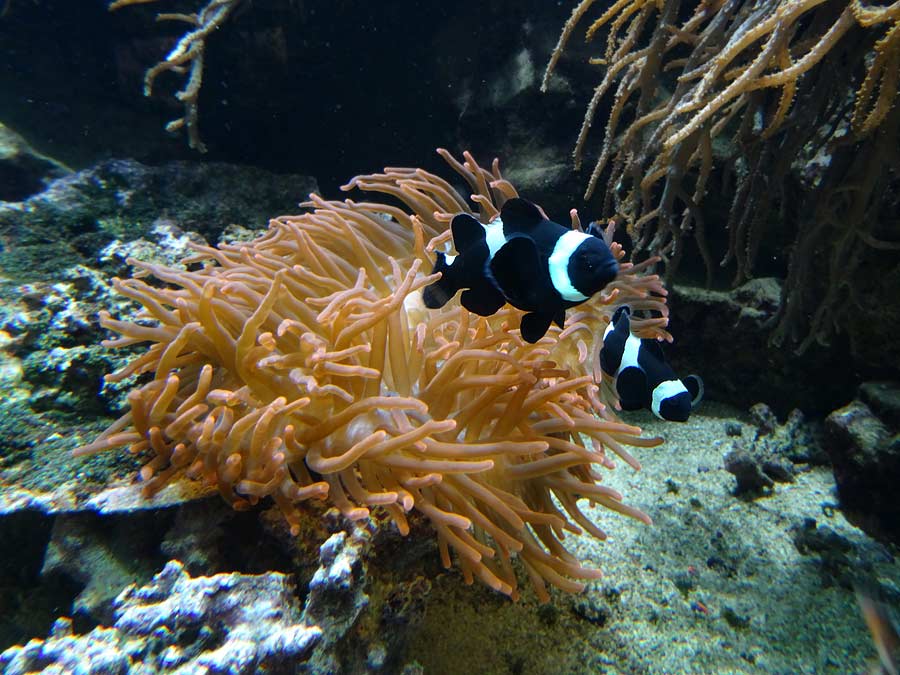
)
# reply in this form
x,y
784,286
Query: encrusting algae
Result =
x,y
304,365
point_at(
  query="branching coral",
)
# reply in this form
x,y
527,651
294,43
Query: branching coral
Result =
x,y
884,71
186,57
304,365
774,77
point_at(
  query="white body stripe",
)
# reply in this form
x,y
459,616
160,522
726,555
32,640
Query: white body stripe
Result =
x,y
665,390
559,263
630,354
609,329
493,234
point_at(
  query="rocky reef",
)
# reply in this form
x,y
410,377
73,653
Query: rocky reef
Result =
x,y
234,623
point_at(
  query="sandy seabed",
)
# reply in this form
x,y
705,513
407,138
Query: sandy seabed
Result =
x,y
715,585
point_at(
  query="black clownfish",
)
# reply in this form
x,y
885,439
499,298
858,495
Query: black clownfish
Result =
x,y
524,259
643,379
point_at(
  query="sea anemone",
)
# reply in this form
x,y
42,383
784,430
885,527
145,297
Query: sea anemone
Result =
x,y
304,365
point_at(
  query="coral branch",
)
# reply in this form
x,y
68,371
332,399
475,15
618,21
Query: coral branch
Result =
x,y
187,56
715,97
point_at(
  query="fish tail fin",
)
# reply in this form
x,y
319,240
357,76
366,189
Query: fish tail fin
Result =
x,y
884,631
438,294
694,385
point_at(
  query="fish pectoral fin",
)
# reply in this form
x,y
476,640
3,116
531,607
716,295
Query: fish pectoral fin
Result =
x,y
633,389
534,326
434,296
438,293
483,301
467,232
519,215
517,269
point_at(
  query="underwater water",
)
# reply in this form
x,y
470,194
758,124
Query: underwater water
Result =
x,y
645,421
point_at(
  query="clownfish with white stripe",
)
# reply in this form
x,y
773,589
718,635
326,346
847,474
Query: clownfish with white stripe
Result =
x,y
643,378
525,259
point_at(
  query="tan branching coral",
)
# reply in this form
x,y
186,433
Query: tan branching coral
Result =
x,y
884,70
304,365
727,97
186,57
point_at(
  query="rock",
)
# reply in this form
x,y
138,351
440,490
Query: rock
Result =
x,y
79,216
841,562
764,418
60,248
180,620
73,488
884,400
795,440
59,343
30,603
729,333
773,453
866,460
336,599
97,653
101,557
592,609
227,623
404,605
23,170
748,472
199,535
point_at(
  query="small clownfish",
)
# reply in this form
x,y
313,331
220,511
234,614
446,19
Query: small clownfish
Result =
x,y
643,379
525,259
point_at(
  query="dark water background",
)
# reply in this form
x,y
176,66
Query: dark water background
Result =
x,y
329,89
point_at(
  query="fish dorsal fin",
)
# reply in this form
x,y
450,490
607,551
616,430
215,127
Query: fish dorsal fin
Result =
x,y
517,268
615,340
622,314
467,232
595,230
519,215
694,385
654,348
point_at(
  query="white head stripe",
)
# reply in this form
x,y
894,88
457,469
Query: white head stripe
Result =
x,y
665,390
559,263
493,233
